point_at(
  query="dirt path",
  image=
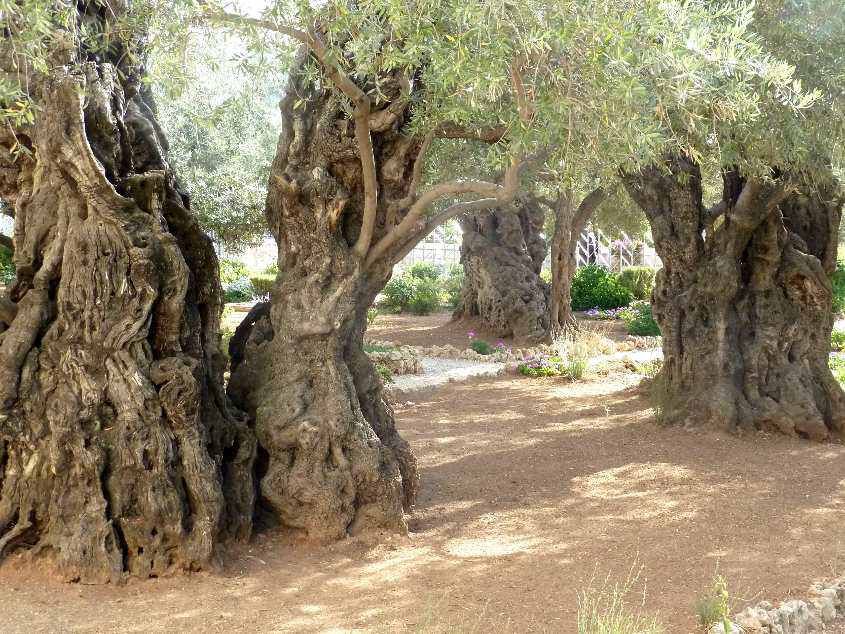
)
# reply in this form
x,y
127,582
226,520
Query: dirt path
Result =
x,y
530,489
439,330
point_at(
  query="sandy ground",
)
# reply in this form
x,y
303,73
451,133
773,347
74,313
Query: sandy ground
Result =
x,y
439,330
530,489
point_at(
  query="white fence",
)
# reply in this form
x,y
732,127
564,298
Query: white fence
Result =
x,y
593,248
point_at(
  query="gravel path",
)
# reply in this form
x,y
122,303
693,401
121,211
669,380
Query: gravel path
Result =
x,y
437,371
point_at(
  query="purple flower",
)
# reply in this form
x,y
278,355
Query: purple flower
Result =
x,y
471,334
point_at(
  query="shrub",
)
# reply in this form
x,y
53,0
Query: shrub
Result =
x,y
714,606
397,293
425,296
595,287
639,280
232,271
385,373
7,266
541,365
239,291
481,346
272,269
262,284
424,271
837,367
369,347
837,340
640,320
838,281
372,314
453,284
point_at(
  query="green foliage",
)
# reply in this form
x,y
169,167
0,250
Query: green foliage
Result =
x,y
397,293
419,294
713,607
425,296
838,282
385,373
837,340
639,320
424,271
239,291
262,284
481,346
541,365
452,285
272,269
595,287
7,266
372,314
639,280
836,364
222,130
231,270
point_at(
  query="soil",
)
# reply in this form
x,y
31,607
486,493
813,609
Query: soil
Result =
x,y
439,330
530,490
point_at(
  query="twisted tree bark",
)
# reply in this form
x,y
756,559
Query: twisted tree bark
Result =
x,y
119,452
335,464
502,253
744,300
570,221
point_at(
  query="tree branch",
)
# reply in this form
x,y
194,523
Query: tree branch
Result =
x,y
492,134
361,114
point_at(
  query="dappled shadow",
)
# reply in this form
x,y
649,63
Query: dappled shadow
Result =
x,y
529,490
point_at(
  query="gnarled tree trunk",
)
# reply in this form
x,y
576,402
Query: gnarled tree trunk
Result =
x,y
119,453
502,253
334,463
744,301
569,224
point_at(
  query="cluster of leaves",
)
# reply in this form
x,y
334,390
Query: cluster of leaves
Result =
x,y
838,282
639,319
239,285
837,340
423,289
594,286
638,279
7,266
573,366
836,363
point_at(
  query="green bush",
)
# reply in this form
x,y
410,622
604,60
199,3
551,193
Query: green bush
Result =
x,y
639,280
595,287
837,340
273,269
452,285
424,271
481,346
7,266
425,297
397,293
838,281
231,271
239,291
262,284
837,367
639,320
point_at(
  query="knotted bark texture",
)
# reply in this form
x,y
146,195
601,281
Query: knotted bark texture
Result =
x,y
119,454
744,300
332,461
502,253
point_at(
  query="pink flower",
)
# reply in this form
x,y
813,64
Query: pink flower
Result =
x,y
471,334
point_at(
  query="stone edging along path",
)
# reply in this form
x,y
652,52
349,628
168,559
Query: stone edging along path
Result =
x,y
825,605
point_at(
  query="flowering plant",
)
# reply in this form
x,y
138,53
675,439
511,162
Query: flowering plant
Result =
x,y
609,313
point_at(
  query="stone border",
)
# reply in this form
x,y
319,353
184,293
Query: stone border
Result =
x,y
826,603
511,355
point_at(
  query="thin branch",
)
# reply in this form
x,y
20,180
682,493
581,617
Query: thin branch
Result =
x,y
525,109
361,115
491,134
